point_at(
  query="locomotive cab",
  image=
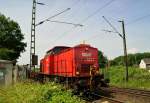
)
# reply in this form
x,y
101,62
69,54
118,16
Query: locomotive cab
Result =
x,y
86,58
87,68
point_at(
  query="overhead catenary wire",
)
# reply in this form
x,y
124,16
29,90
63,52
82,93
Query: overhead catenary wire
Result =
x,y
112,27
135,20
86,19
69,30
115,30
128,23
109,31
97,11
62,35
40,3
41,22
76,11
75,3
65,22
58,14
138,19
131,22
72,6
92,37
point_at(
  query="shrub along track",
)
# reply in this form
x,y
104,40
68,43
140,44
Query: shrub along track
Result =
x,y
92,96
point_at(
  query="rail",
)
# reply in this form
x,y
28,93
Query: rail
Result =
x,y
108,98
92,97
138,92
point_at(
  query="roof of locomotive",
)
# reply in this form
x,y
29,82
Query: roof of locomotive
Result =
x,y
82,45
57,49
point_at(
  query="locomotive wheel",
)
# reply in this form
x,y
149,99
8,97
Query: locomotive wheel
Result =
x,y
47,79
76,90
56,80
104,84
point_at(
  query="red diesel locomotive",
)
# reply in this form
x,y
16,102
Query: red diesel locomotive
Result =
x,y
75,65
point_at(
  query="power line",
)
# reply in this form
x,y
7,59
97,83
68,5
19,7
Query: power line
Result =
x,y
135,20
58,14
75,3
87,18
112,27
77,11
109,31
123,36
75,25
97,11
92,37
138,19
65,23
48,19
40,3
69,30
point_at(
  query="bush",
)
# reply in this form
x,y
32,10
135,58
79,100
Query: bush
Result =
x,y
30,92
133,59
138,78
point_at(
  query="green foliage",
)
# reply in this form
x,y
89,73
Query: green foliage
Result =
x,y
29,92
4,53
11,44
133,59
102,59
138,78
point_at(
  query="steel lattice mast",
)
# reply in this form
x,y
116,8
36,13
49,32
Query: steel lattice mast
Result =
x,y
32,45
33,57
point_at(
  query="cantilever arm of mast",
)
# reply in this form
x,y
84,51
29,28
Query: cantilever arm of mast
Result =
x,y
66,23
116,31
52,17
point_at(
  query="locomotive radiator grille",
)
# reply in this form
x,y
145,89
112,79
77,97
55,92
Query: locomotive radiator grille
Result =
x,y
85,68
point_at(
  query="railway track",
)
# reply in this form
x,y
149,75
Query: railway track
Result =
x,y
109,99
92,97
137,92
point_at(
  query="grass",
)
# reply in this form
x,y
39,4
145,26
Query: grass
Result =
x,y
30,92
138,78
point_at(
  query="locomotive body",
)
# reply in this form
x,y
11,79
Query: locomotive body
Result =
x,y
77,65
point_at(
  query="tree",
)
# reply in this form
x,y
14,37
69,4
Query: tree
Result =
x,y
4,53
11,39
102,59
133,59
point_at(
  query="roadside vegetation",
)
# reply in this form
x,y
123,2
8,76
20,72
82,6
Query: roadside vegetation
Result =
x,y
29,92
11,39
138,78
133,59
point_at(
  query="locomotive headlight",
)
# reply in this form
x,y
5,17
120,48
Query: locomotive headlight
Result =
x,y
77,73
97,72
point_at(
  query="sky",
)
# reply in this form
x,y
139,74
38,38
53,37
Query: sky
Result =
x,y
135,13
